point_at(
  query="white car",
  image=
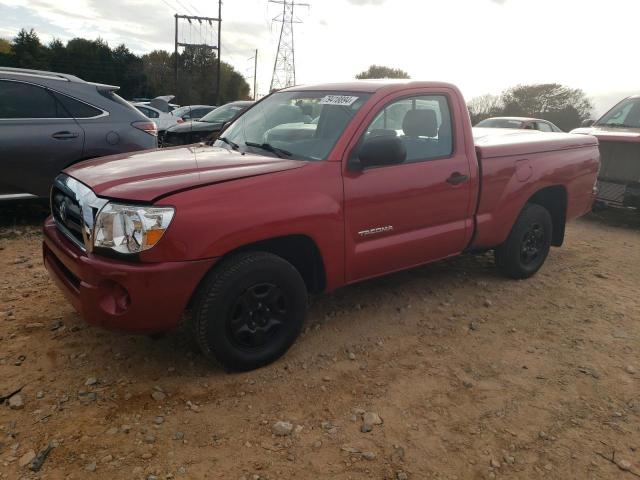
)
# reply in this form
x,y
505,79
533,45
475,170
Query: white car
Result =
x,y
162,119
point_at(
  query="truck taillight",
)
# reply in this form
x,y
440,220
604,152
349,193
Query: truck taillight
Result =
x,y
150,127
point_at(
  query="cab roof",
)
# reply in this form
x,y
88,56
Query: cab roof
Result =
x,y
520,119
370,86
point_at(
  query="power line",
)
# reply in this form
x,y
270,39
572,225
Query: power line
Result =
x,y
170,6
180,42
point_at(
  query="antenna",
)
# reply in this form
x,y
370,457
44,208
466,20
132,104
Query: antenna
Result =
x,y
284,67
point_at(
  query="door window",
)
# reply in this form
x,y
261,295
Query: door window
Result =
x,y
543,127
23,100
422,123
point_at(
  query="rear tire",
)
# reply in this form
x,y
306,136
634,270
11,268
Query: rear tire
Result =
x,y
249,310
528,244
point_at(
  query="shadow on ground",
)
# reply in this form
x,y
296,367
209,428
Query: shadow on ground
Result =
x,y
15,214
616,217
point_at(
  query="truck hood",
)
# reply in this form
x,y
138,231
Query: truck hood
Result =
x,y
611,134
146,176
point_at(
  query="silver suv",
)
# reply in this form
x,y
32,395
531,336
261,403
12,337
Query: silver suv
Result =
x,y
49,121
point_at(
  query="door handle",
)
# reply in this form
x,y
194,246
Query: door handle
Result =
x,y
457,178
65,135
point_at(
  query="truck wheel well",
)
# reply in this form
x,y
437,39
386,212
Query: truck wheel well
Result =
x,y
300,251
554,199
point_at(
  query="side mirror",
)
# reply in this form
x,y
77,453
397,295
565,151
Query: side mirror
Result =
x,y
382,150
587,123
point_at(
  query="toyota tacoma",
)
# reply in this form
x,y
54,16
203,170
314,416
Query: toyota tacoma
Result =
x,y
311,189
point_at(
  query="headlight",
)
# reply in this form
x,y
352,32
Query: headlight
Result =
x,y
130,228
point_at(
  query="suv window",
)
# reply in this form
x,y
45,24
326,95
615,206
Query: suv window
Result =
x,y
422,123
543,127
76,108
148,112
23,100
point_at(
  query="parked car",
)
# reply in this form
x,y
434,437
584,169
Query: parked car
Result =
x,y
618,131
206,128
192,112
163,120
49,121
524,123
240,232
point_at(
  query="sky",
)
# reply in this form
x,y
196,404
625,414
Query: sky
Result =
x,y
483,46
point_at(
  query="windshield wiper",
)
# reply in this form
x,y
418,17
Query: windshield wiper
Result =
x,y
280,152
233,145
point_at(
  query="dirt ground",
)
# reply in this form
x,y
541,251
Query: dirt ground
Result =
x,y
473,376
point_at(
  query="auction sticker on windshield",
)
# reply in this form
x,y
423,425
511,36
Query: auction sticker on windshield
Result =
x,y
345,100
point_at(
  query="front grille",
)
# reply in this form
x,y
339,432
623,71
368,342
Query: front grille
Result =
x,y
611,192
67,213
619,161
74,207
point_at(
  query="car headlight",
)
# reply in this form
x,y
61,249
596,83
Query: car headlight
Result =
x,y
130,228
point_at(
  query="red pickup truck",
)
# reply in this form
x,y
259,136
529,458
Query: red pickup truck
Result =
x,y
312,188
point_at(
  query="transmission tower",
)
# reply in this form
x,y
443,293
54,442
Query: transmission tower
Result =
x,y
284,67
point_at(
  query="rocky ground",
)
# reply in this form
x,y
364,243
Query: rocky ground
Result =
x,y
445,372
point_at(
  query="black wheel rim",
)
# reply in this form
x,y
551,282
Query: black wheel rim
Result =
x,y
532,244
257,316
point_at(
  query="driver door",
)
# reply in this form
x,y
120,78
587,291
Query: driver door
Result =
x,y
399,216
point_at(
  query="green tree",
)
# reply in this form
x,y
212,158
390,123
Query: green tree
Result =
x,y
158,68
380,71
28,51
6,53
5,46
484,106
150,75
564,106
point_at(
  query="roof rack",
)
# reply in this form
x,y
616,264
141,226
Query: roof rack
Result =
x,y
41,74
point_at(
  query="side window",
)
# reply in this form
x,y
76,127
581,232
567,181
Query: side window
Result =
x,y
76,108
422,123
23,100
543,127
148,112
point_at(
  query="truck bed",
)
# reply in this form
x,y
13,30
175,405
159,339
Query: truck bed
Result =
x,y
502,142
514,164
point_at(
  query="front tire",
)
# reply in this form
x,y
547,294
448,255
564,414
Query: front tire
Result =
x,y
528,244
249,310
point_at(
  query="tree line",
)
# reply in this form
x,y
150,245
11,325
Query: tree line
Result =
x,y
564,106
148,76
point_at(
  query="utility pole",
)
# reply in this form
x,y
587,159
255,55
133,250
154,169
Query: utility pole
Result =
x,y
284,67
255,77
205,45
255,74
175,56
219,40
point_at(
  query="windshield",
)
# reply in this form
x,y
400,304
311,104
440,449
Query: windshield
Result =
x,y
304,125
625,114
223,114
500,123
